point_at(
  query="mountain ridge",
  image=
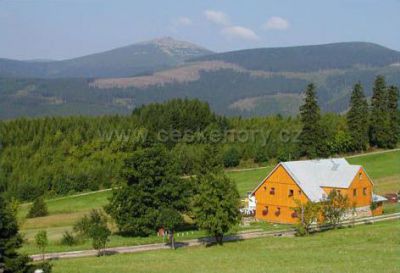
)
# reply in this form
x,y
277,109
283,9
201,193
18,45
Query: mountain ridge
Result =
x,y
242,84
139,58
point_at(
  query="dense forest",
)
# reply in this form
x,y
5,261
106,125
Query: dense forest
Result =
x,y
61,155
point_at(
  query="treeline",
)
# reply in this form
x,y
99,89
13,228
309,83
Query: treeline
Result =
x,y
62,155
374,125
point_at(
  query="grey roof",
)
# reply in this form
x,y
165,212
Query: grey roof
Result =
x,y
312,175
378,198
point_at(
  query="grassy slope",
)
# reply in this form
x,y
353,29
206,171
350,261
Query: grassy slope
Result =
x,y
64,212
369,248
384,169
247,180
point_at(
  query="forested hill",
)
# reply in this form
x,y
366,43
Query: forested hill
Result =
x,y
310,58
62,155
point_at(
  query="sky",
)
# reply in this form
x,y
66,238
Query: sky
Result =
x,y
62,29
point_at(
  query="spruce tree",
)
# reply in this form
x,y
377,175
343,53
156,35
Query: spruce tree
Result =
x,y
357,119
310,136
393,112
379,122
10,241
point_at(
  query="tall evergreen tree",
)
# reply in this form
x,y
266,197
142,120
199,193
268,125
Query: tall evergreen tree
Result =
x,y
394,128
357,119
10,241
379,123
310,136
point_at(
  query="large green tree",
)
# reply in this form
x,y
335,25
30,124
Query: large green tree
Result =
x,y
216,204
379,123
358,119
10,240
152,183
310,139
394,127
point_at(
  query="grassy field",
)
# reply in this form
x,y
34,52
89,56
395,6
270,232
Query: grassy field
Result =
x,y
247,180
64,212
367,248
383,168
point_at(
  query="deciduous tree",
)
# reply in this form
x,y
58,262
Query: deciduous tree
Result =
x,y
216,204
152,183
170,219
335,207
307,214
42,242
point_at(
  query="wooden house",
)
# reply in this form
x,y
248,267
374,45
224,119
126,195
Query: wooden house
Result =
x,y
312,180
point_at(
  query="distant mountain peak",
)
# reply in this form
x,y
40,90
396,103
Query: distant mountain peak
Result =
x,y
173,46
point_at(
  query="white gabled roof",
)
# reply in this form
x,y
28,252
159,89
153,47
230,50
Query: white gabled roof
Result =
x,y
312,175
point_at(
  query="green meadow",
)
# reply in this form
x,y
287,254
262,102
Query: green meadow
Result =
x,y
65,211
368,248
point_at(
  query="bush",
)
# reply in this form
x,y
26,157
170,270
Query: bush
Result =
x,y
82,226
68,239
38,209
231,158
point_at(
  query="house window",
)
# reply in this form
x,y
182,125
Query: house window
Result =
x,y
360,175
294,214
299,192
265,211
354,192
278,211
291,193
272,191
364,191
265,188
338,191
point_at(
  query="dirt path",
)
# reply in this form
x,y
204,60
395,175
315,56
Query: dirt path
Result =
x,y
374,153
204,241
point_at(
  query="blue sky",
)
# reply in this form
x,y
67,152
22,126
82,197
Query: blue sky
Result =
x,y
59,29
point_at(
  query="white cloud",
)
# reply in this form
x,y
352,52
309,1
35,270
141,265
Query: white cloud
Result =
x,y
183,21
276,23
178,23
217,17
240,32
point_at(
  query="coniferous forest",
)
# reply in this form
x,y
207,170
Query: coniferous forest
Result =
x,y
62,155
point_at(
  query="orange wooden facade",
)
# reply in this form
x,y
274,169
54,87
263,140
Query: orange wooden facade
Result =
x,y
276,195
359,192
